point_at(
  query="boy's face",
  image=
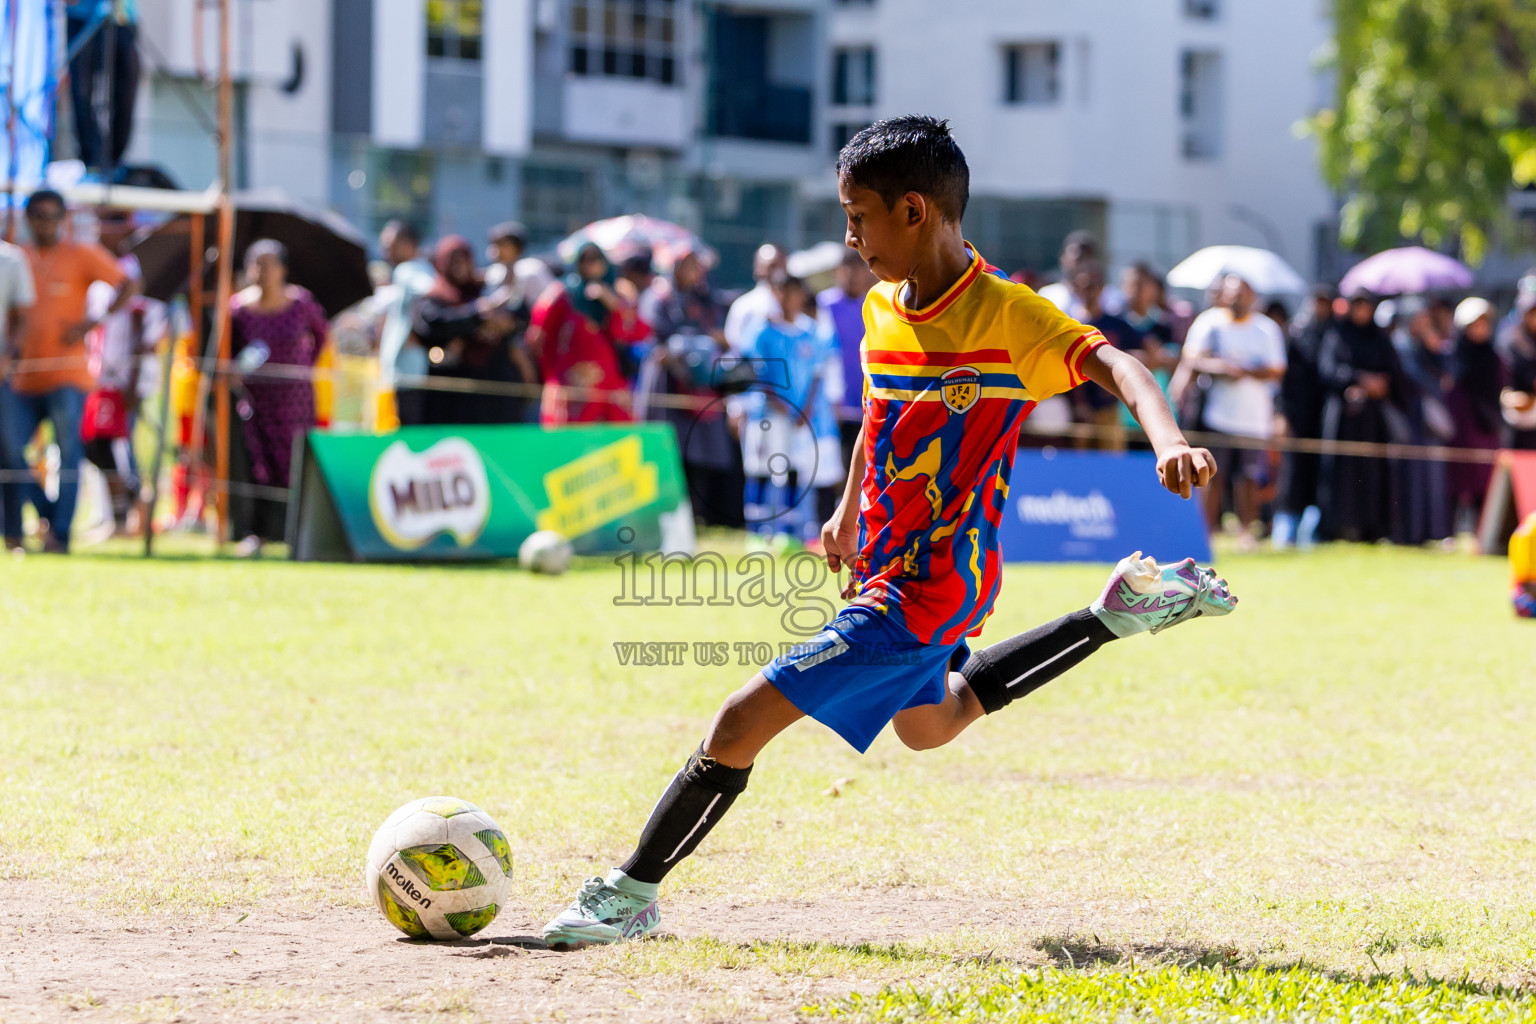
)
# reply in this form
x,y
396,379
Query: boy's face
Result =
x,y
887,238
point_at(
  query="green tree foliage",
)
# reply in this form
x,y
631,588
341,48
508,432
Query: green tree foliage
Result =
x,y
1435,117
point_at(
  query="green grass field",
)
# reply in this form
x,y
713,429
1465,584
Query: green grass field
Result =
x,y
1320,808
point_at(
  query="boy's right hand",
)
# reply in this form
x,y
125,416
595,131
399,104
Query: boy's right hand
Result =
x,y
1181,469
840,539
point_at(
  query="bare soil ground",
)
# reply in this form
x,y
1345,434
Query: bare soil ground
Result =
x,y
348,965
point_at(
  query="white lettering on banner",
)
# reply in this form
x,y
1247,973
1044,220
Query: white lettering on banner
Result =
x,y
414,496
1090,515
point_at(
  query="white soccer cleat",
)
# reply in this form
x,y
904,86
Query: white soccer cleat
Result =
x,y
601,914
1142,596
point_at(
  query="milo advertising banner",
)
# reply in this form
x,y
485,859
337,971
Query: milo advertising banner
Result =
x,y
466,493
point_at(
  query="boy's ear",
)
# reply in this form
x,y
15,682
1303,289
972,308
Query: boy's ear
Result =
x,y
917,208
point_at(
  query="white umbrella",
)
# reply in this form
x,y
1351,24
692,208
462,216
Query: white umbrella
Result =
x,y
1266,272
821,258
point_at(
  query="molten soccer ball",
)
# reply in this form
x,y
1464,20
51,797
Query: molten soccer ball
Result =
x,y
439,868
545,551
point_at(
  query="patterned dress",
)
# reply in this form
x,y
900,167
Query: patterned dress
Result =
x,y
280,407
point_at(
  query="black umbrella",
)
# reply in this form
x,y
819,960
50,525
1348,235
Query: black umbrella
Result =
x,y
326,254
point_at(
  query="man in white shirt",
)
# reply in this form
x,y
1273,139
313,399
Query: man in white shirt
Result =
x,y
411,277
17,297
118,348
1241,354
526,277
748,313
1077,249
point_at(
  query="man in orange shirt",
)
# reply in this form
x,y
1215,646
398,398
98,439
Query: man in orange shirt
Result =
x,y
51,377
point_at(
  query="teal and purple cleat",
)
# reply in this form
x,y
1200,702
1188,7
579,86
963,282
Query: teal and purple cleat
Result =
x,y
1144,597
606,910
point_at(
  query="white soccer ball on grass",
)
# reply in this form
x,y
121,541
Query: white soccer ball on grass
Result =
x,y
439,868
545,551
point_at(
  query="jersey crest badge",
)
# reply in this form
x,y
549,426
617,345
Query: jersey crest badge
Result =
x,y
960,388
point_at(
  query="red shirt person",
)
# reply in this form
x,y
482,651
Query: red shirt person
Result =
x,y
577,325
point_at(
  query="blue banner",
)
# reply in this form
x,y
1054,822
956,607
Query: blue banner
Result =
x,y
1097,507
28,83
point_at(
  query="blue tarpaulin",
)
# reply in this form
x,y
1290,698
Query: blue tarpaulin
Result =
x,y
28,85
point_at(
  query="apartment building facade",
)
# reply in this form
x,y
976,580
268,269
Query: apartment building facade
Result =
x,y
1160,124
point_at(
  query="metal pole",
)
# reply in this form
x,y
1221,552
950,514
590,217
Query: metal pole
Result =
x,y
196,289
224,290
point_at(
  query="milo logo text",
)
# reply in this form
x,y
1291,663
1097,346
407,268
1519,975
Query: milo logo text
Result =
x,y
433,495
415,496
407,885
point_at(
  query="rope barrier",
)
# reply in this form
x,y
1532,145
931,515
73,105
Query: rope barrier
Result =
x,y
1111,436
1299,445
26,476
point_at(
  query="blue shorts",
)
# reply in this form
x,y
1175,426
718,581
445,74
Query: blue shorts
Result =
x,y
858,672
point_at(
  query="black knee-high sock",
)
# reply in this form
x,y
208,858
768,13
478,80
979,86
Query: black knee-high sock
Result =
x,y
698,797
1022,664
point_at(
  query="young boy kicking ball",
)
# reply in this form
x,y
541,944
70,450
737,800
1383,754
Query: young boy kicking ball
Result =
x,y
955,357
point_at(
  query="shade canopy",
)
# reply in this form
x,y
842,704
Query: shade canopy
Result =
x,y
1266,272
326,254
1412,270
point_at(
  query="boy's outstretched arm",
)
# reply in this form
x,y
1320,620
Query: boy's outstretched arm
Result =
x,y
840,535
1180,468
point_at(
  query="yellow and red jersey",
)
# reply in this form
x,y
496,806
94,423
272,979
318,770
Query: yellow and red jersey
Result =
x,y
946,389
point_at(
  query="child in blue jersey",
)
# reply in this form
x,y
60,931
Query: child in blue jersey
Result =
x,y
791,407
955,357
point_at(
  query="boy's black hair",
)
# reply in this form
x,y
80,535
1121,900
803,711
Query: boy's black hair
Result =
x,y
914,153
45,195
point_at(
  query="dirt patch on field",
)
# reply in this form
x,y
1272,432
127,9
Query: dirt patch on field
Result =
x,y
348,965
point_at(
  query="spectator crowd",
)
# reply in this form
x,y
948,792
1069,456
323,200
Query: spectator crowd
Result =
x,y
763,387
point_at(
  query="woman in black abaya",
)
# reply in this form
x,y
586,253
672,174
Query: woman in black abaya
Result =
x,y
1362,374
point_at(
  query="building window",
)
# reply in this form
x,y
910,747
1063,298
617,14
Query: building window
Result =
x,y
1032,74
558,199
842,132
1200,104
761,75
454,29
853,76
625,39
400,182
1202,10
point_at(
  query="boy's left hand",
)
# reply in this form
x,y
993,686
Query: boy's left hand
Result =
x,y
1181,469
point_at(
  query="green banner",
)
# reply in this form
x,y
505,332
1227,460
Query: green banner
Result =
x,y
465,493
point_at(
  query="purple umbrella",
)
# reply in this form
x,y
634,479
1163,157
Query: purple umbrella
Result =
x,y
1409,271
